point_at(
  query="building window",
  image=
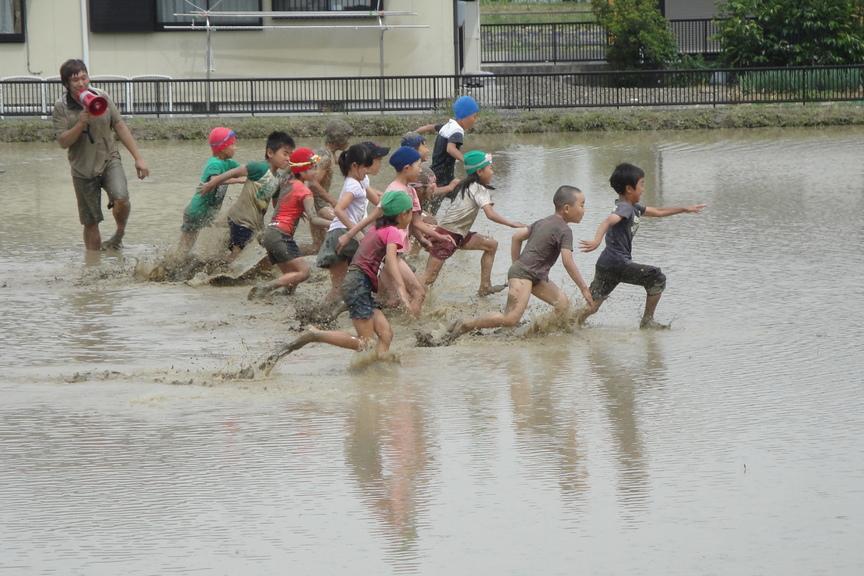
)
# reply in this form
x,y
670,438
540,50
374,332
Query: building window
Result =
x,y
326,5
11,20
165,10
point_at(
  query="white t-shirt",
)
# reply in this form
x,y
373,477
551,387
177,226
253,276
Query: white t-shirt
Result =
x,y
463,210
357,208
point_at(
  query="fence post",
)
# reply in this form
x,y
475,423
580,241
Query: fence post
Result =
x,y
554,43
252,97
803,86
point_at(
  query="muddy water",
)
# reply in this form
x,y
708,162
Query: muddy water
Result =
x,y
731,444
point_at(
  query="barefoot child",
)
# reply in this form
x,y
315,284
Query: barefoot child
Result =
x,y
447,145
615,264
473,194
547,239
354,164
336,135
380,244
203,207
426,185
278,237
246,216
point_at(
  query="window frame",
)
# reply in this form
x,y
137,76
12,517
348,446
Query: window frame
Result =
x,y
17,37
361,13
160,25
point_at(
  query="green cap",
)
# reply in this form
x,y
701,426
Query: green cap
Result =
x,y
395,202
476,160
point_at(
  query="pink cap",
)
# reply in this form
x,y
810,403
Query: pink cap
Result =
x,y
220,138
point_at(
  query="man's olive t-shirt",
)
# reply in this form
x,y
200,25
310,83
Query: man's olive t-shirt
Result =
x,y
89,155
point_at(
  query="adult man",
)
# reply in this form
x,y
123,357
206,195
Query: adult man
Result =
x,y
93,155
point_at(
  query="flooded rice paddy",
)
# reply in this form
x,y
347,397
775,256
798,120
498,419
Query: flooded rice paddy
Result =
x,y
731,444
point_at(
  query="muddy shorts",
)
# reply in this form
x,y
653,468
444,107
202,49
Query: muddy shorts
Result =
x,y
320,203
280,246
88,191
328,256
240,235
441,249
607,278
357,294
519,272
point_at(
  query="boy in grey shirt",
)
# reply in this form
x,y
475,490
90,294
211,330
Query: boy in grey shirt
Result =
x,y
547,239
615,264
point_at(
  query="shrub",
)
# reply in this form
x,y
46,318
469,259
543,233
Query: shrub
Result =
x,y
638,35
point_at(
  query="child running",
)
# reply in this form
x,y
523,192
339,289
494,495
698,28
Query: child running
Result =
x,y
426,185
547,239
451,137
203,207
472,195
278,237
381,244
336,135
615,264
355,163
246,216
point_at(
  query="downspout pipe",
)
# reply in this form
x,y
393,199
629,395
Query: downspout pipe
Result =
x,y
85,35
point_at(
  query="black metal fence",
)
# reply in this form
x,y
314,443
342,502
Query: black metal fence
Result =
x,y
163,97
578,41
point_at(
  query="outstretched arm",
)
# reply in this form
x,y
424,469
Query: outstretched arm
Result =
x,y
129,142
591,245
358,228
311,214
494,216
391,264
319,190
516,244
425,129
223,178
444,190
653,212
573,271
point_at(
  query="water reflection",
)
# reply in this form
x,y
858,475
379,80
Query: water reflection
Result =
x,y
624,372
545,421
388,454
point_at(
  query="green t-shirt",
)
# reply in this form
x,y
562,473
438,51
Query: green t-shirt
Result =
x,y
261,184
201,204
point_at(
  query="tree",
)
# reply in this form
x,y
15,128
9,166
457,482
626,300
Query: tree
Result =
x,y
638,35
792,32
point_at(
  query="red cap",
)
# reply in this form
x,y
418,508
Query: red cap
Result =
x,y
221,138
303,159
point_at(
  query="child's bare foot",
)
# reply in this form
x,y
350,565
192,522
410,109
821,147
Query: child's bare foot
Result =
x,y
456,329
307,337
651,324
487,290
259,291
113,243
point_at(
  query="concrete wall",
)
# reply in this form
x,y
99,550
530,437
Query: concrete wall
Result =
x,y
54,34
680,9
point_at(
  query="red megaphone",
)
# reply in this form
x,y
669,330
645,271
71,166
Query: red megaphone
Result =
x,y
96,105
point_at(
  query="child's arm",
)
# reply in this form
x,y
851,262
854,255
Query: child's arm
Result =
x,y
311,214
374,195
319,190
444,190
341,208
217,181
426,129
516,243
591,245
391,264
454,151
573,271
358,228
419,228
494,216
652,212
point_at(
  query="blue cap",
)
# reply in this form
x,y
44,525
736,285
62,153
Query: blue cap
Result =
x,y
412,140
465,106
403,156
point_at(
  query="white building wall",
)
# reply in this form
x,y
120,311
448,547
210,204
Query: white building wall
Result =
x,y
54,35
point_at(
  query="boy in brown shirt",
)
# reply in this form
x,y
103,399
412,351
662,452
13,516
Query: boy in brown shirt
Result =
x,y
547,239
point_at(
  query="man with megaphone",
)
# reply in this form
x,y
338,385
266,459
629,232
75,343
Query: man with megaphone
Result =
x,y
85,122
